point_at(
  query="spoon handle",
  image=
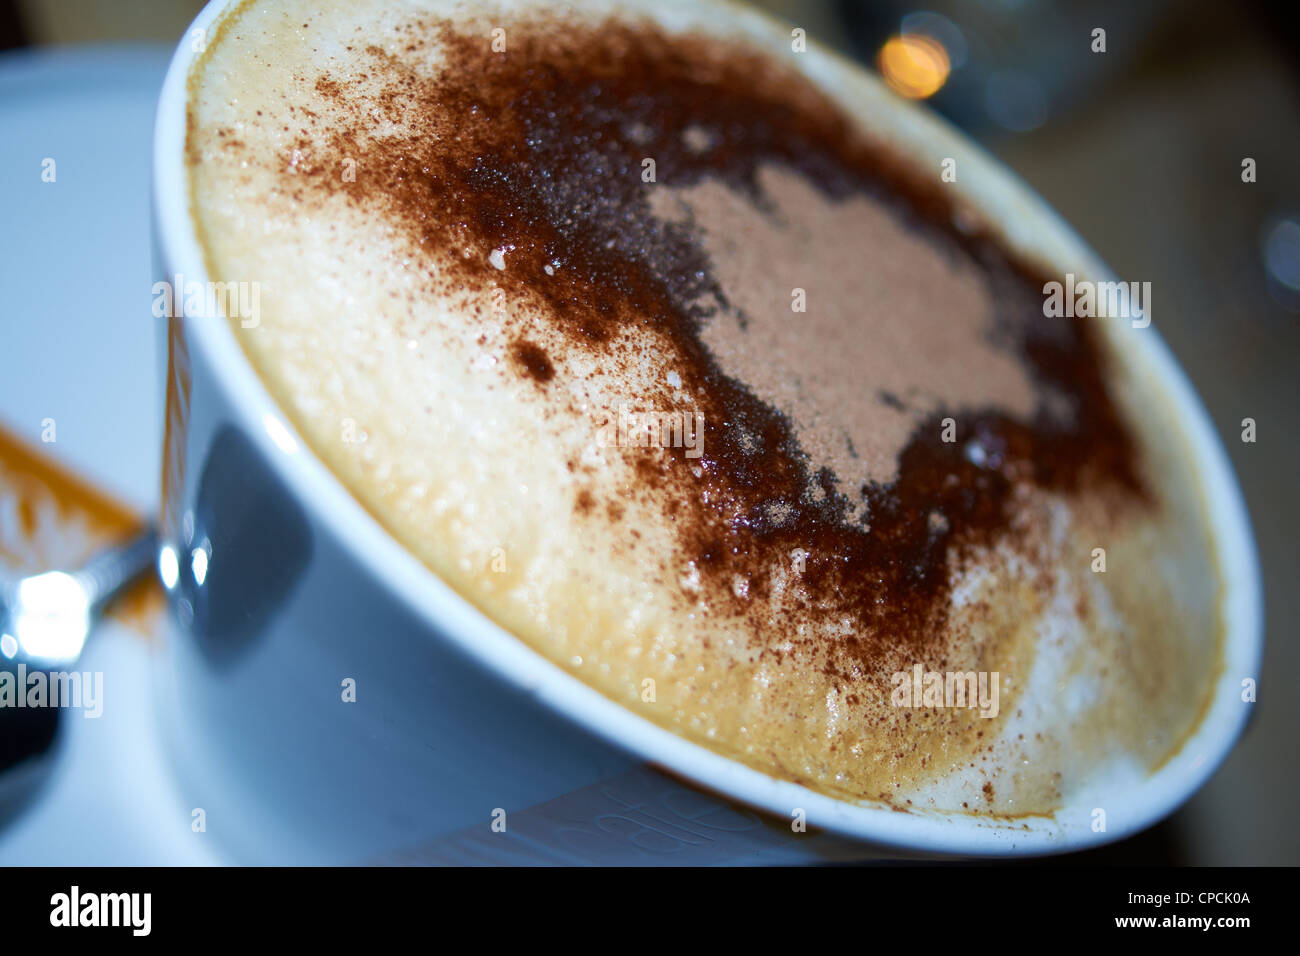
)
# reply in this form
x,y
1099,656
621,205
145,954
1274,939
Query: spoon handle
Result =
x,y
104,575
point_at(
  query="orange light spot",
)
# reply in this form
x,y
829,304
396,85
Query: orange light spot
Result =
x,y
914,65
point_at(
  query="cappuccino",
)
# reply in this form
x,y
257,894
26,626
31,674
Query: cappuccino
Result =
x,y
630,322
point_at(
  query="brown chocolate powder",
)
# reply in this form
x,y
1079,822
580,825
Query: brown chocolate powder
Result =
x,y
532,358
538,155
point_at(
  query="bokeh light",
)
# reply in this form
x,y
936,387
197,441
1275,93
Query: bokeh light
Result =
x,y
914,65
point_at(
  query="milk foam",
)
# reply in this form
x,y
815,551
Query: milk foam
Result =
x,y
453,401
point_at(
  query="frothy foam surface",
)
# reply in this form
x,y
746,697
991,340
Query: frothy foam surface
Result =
x,y
483,268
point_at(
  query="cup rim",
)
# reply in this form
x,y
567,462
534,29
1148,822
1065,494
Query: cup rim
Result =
x,y
449,616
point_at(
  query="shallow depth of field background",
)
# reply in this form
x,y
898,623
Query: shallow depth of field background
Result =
x,y
1140,148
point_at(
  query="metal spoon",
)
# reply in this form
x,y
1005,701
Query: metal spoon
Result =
x,y
44,622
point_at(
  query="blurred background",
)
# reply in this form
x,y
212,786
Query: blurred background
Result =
x,y
1141,148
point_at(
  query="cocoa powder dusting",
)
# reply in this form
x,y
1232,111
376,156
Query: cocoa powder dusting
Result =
x,y
533,160
533,359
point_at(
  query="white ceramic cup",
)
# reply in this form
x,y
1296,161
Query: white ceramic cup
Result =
x,y
282,588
